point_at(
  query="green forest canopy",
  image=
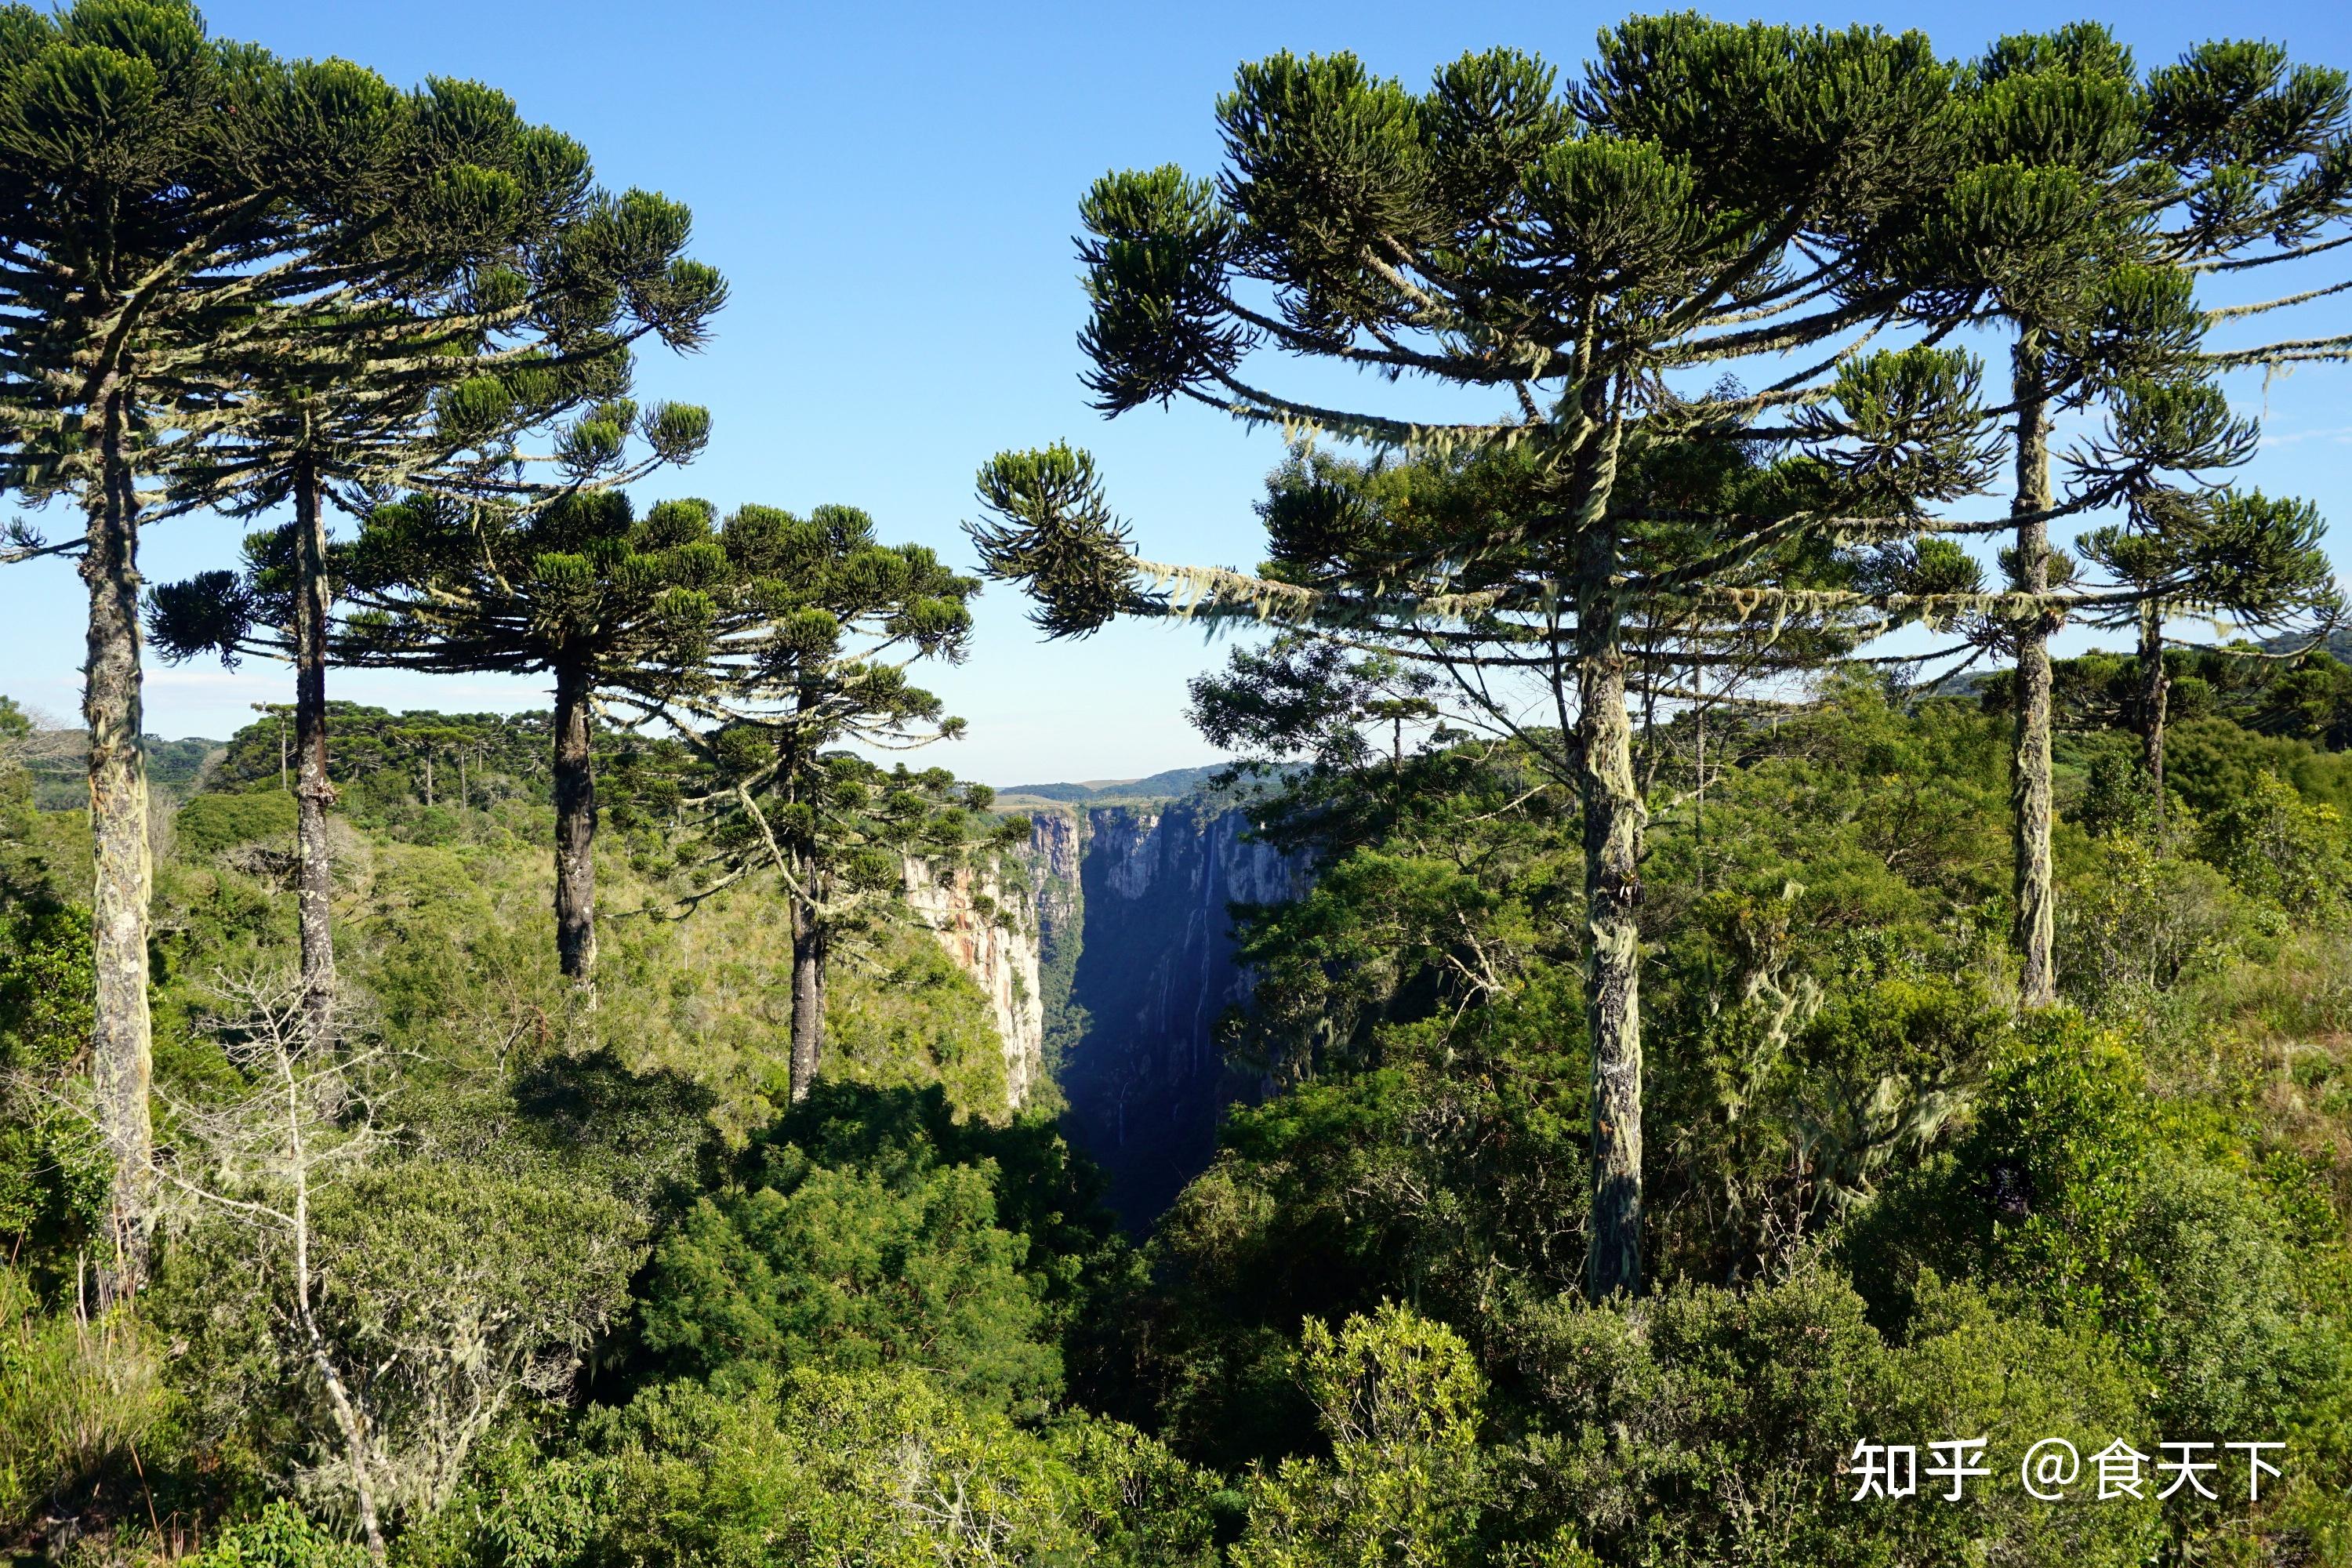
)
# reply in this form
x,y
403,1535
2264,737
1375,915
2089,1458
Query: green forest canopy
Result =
x,y
490,1274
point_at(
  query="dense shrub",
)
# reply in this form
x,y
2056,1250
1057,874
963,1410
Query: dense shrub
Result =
x,y
848,1272
1714,1426
280,1536
211,823
881,1468
2276,845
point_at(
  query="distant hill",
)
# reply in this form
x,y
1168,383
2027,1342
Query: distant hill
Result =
x,y
58,760
1165,785
1063,792
1174,781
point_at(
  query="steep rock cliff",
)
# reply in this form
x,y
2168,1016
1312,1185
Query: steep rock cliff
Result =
x,y
990,929
1057,842
1138,963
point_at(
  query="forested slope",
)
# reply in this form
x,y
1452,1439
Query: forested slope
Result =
x,y
621,1300
1708,1045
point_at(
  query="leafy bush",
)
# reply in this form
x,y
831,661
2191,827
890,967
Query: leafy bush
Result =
x,y
1042,1190
1706,1424
1972,1370
281,1537
2213,762
211,823
1712,1425
2224,1324
2275,845
1407,1481
1448,1183
55,1172
848,1272
882,1468
2085,1205
2137,921
2040,1194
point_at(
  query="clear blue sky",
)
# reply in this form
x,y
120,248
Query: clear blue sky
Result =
x,y
892,191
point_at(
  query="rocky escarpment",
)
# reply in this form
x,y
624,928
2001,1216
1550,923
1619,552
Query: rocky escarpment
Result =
x,y
1057,841
1138,964
990,929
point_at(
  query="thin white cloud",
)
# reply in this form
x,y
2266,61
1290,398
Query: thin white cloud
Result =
x,y
2336,434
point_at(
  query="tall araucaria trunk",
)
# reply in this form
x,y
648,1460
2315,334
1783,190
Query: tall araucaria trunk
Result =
x,y
315,875
575,830
1614,816
2155,696
808,926
122,1044
808,996
2031,803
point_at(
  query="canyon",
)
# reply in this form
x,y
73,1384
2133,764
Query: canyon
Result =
x,y
1137,966
1108,961
1107,957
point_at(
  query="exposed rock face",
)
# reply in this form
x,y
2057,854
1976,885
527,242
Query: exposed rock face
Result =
x,y
1139,963
1056,841
991,931
1110,971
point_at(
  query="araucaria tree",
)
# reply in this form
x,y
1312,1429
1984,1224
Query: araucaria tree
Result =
x,y
228,272
847,617
611,605
473,284
758,641
2190,545
157,190
1599,261
2239,556
838,831
2088,203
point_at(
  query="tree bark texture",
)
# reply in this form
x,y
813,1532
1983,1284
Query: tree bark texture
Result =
x,y
2031,802
315,872
575,830
121,1046
808,997
1614,816
2155,698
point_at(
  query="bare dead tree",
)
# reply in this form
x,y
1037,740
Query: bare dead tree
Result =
x,y
261,1159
